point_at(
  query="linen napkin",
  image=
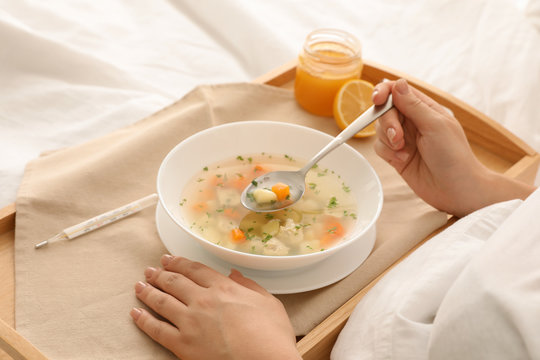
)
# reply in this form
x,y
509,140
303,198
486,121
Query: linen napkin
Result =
x,y
73,297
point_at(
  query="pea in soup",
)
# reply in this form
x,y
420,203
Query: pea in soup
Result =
x,y
319,220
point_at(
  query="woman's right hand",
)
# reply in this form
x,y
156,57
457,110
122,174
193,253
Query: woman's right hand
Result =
x,y
428,147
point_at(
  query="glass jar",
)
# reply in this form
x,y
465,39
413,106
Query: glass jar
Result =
x,y
329,58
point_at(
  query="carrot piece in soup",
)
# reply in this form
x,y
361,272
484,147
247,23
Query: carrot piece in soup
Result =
x,y
237,236
217,180
281,190
201,206
232,213
207,194
333,231
239,182
258,169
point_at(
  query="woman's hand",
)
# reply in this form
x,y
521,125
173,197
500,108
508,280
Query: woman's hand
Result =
x,y
428,147
212,316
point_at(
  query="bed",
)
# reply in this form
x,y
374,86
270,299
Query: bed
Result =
x,y
74,71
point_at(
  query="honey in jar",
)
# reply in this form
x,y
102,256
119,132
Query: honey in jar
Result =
x,y
329,58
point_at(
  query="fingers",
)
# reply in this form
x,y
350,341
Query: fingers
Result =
x,y
162,332
184,279
415,106
398,159
250,284
195,271
162,303
381,91
172,283
390,130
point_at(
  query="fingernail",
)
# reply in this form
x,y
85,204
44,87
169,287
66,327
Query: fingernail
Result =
x,y
135,313
166,259
402,155
375,92
402,87
391,134
149,272
139,286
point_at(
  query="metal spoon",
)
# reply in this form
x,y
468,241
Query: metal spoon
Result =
x,y
296,179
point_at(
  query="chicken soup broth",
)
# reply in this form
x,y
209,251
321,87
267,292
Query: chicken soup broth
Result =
x,y
319,220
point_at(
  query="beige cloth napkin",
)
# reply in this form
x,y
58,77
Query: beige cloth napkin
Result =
x,y
73,297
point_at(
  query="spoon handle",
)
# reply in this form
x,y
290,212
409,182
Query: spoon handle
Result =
x,y
367,117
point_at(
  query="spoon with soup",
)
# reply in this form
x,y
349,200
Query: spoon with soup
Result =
x,y
280,189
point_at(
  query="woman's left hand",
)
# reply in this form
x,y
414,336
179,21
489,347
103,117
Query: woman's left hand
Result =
x,y
212,316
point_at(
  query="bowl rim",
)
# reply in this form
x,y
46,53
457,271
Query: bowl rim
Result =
x,y
215,128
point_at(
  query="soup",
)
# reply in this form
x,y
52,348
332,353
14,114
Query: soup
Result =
x,y
319,220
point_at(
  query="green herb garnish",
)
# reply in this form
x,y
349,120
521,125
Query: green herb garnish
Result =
x,y
322,173
266,238
332,203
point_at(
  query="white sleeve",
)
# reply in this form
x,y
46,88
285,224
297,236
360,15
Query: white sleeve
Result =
x,y
396,318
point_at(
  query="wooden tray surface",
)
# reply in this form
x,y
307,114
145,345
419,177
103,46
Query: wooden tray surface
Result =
x,y
494,146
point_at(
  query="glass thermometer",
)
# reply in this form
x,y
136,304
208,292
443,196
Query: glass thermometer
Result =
x,y
99,221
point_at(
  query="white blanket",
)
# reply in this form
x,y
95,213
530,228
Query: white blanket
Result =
x,y
71,71
471,292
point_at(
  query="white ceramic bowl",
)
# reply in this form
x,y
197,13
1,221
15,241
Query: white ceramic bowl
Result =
x,y
249,137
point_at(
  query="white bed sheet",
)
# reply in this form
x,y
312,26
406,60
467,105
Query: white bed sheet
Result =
x,y
71,71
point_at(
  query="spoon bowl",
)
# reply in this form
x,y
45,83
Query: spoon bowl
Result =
x,y
296,179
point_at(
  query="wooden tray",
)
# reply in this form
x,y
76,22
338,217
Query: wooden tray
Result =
x,y
494,146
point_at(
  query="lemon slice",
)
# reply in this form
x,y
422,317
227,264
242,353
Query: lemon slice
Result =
x,y
352,99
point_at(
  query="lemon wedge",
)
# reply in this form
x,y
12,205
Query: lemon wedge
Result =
x,y
352,99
